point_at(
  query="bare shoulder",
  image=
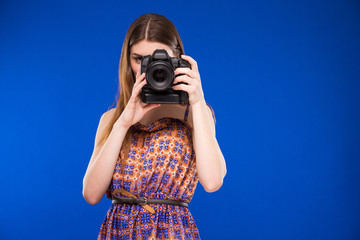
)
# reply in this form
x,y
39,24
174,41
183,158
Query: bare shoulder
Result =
x,y
110,111
108,114
104,120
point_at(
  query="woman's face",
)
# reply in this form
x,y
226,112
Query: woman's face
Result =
x,y
143,48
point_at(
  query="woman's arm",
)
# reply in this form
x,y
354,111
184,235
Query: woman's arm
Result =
x,y
210,162
103,160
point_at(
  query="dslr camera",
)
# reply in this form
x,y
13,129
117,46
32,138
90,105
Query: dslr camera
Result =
x,y
159,73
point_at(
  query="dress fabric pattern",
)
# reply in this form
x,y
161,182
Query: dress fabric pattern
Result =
x,y
160,164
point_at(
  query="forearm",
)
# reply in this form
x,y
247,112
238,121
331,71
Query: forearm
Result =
x,y
99,174
210,162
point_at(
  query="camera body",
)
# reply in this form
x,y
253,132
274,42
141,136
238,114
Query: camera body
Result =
x,y
159,73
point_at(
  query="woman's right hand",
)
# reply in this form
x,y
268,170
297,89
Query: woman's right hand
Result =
x,y
135,108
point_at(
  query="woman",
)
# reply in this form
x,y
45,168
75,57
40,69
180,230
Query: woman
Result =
x,y
144,155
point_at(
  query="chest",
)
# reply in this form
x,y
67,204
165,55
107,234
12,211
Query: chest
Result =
x,y
176,112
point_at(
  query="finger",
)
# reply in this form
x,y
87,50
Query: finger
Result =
x,y
150,106
182,87
186,71
136,76
192,62
139,87
139,79
183,78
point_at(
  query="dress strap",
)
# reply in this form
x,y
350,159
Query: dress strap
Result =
x,y
186,112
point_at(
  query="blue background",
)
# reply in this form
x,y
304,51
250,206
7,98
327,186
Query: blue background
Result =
x,y
281,76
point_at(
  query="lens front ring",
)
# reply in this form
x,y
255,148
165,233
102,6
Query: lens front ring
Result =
x,y
159,75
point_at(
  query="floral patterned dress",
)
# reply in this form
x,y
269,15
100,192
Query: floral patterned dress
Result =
x,y
160,164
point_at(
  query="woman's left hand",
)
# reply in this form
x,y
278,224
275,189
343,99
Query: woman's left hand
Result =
x,y
192,78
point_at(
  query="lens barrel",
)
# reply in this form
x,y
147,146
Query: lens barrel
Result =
x,y
160,75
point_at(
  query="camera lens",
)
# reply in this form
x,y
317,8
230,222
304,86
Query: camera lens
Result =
x,y
159,75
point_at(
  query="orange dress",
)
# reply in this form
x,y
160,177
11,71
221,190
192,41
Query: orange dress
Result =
x,y
160,164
